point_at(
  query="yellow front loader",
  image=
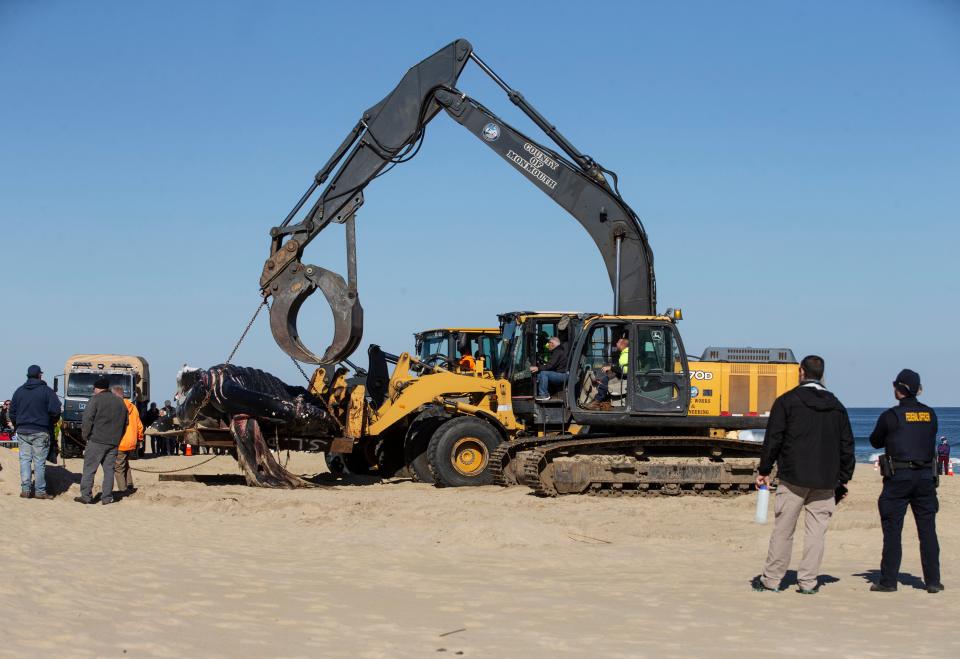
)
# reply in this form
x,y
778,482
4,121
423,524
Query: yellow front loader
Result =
x,y
392,425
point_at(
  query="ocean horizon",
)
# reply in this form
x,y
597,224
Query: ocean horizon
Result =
x,y
863,420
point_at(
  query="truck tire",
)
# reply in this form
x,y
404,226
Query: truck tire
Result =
x,y
417,441
459,452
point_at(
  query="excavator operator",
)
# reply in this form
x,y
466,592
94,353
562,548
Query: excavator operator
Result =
x,y
612,383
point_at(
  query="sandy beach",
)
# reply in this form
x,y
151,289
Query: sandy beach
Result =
x,y
405,569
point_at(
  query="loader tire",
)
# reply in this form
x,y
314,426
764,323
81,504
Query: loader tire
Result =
x,y
459,452
418,440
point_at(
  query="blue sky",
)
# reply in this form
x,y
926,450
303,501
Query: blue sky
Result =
x,y
796,166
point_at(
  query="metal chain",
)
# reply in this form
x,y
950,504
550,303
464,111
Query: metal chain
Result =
x,y
292,358
247,329
206,398
302,372
243,335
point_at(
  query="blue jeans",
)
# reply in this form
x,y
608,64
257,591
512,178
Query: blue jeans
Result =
x,y
33,452
546,378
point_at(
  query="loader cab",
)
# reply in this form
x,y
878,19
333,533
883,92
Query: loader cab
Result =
x,y
625,366
443,347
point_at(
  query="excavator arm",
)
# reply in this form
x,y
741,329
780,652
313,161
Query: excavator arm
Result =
x,y
390,133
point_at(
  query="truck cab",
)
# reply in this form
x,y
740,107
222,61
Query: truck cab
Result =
x,y
80,372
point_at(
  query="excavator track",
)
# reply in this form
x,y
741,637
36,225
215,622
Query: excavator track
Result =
x,y
506,460
614,466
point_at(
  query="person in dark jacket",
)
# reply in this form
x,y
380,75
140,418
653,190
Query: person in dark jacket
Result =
x,y
809,439
104,422
554,371
172,442
151,415
34,410
908,435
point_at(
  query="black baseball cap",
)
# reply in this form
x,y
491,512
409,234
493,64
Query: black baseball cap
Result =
x,y
908,382
101,383
34,371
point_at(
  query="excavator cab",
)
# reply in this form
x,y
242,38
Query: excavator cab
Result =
x,y
523,343
628,366
619,367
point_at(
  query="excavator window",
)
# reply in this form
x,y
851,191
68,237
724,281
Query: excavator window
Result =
x,y
659,375
596,378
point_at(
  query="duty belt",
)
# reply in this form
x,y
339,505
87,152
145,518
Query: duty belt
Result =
x,y
911,464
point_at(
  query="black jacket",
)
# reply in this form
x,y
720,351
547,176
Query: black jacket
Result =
x,y
558,360
809,438
34,407
104,419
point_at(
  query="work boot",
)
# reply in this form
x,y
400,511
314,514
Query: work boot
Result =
x,y
83,500
880,588
934,588
25,495
599,406
42,495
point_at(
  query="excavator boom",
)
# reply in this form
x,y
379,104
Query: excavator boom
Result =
x,y
390,133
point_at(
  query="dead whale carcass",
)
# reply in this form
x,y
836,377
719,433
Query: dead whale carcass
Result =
x,y
249,402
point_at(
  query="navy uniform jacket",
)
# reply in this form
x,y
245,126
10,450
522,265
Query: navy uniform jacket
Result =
x,y
908,432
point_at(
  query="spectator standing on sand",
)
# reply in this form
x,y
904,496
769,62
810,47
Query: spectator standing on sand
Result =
x,y
104,422
151,415
157,443
173,442
5,422
128,443
943,457
809,438
33,411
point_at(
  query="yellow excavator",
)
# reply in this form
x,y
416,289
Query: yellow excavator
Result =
x,y
622,421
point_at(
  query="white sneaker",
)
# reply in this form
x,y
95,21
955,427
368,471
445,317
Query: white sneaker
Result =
x,y
542,398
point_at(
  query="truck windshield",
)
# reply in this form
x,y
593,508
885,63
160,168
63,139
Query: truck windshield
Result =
x,y
80,385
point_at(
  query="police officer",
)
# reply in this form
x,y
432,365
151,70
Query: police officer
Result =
x,y
908,433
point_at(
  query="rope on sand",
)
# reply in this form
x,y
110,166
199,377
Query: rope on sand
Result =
x,y
173,471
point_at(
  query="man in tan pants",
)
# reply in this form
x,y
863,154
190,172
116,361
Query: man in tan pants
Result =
x,y
809,439
128,444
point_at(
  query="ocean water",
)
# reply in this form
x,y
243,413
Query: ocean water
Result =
x,y
863,420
